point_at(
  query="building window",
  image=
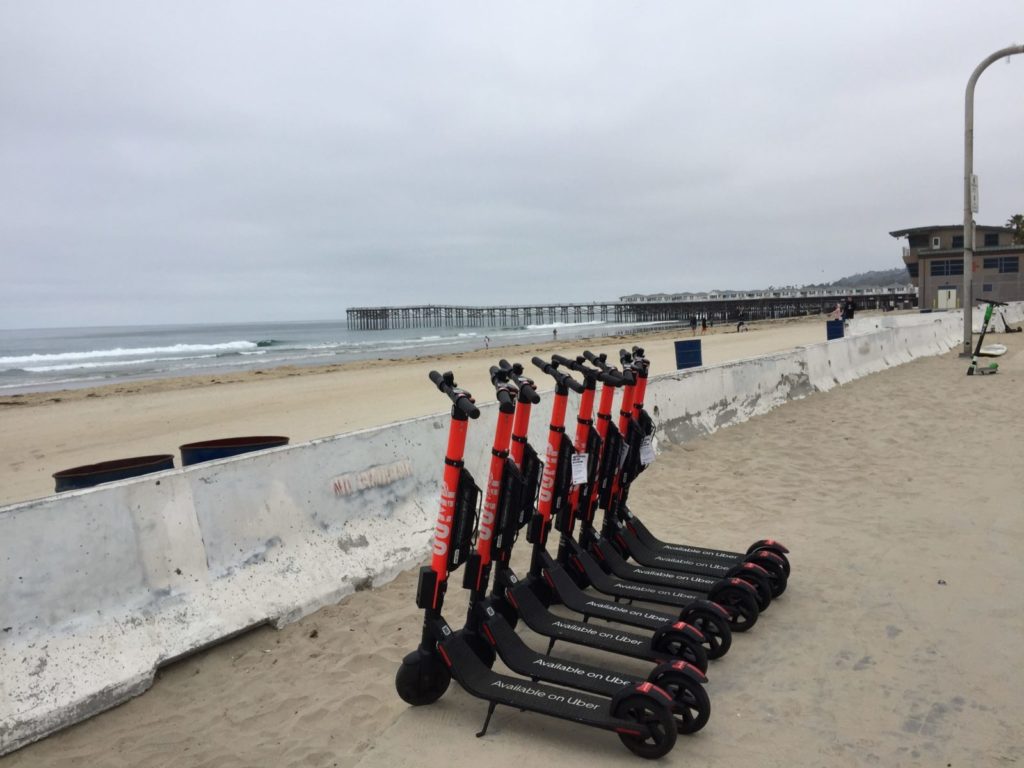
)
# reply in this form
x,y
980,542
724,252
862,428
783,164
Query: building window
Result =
x,y
1009,264
991,238
918,241
936,242
943,267
912,269
990,263
958,241
986,288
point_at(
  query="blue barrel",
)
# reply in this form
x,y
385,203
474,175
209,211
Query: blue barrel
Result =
x,y
107,471
833,329
208,450
688,354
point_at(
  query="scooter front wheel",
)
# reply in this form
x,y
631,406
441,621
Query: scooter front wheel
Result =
x,y
422,678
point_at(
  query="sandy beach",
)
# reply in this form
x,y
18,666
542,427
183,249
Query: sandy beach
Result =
x,y
48,432
897,643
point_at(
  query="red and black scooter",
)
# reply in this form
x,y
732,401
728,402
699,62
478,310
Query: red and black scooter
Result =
x,y
622,462
529,598
634,539
640,714
568,500
488,631
586,559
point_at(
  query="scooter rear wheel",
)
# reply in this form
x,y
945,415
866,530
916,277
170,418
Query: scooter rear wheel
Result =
x,y
655,718
717,635
741,605
691,705
678,646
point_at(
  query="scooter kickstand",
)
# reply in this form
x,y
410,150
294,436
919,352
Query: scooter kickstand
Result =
x,y
487,720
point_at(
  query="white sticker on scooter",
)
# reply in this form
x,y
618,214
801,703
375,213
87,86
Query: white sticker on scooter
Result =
x,y
579,468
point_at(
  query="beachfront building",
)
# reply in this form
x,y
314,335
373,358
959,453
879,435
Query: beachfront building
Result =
x,y
935,262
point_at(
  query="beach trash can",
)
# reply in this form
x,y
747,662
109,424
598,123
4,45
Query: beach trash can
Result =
x,y
833,329
208,450
688,354
107,471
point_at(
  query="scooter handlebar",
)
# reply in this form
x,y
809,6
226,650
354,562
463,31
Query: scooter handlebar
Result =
x,y
462,400
527,391
562,379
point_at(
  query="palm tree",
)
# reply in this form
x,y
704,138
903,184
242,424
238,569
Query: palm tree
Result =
x,y
1016,223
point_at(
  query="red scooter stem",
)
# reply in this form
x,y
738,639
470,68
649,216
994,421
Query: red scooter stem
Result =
x,y
604,418
604,410
584,420
520,429
450,483
485,530
626,409
555,432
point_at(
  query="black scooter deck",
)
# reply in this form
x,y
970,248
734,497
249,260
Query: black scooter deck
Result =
x,y
484,683
654,544
578,601
630,590
618,565
542,621
522,659
673,561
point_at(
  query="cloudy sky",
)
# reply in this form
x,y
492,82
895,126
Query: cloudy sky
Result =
x,y
220,161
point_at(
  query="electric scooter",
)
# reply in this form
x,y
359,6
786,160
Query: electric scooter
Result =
x,y
764,568
639,714
979,351
701,554
611,465
488,631
530,597
734,595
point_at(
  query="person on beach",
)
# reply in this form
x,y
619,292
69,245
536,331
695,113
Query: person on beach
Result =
x,y
487,342
837,313
693,325
849,309
554,334
703,325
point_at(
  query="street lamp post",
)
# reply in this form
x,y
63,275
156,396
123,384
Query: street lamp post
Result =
x,y
969,208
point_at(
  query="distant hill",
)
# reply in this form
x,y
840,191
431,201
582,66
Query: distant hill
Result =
x,y
872,279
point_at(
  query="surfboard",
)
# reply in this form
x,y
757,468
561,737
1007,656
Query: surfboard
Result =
x,y
992,350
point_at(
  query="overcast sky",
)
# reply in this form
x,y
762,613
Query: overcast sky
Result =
x,y
222,161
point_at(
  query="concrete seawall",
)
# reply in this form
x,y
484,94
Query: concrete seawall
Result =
x,y
100,587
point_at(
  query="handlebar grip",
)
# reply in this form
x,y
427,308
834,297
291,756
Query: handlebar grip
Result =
x,y
625,357
638,351
611,379
467,406
437,378
505,397
528,394
572,384
565,361
544,365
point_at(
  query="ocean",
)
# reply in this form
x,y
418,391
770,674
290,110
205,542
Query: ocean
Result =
x,y
65,358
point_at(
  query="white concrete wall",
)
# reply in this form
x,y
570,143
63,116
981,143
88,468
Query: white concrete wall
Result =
x,y
101,586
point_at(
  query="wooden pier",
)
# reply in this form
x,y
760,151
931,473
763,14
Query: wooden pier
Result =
x,y
715,307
